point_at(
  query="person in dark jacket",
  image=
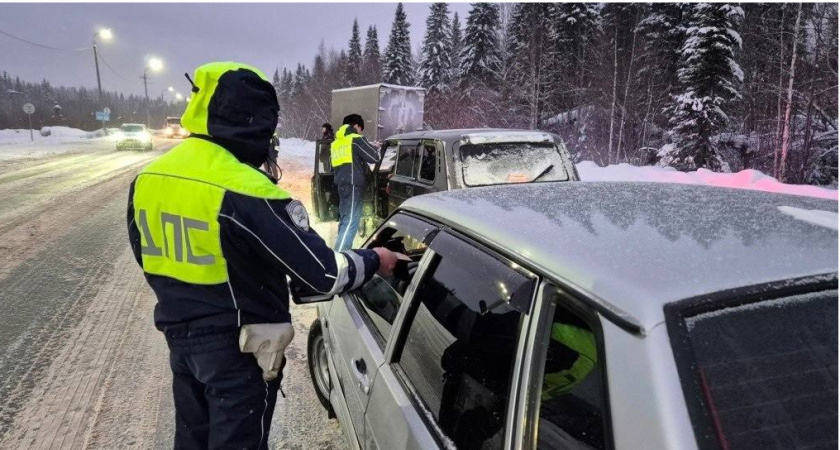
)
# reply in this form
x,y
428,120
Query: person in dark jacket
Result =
x,y
217,239
327,133
350,153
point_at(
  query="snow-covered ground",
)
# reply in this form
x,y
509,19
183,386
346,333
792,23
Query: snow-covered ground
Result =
x,y
16,143
745,179
303,152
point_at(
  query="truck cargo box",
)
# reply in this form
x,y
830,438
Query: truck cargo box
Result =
x,y
387,109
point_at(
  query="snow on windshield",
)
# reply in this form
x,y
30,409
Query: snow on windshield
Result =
x,y
503,163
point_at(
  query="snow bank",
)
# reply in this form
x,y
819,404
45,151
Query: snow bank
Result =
x,y
16,143
55,135
745,179
300,150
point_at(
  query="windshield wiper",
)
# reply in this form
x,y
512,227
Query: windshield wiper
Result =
x,y
545,171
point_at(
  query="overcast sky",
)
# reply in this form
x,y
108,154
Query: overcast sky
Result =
x,y
184,36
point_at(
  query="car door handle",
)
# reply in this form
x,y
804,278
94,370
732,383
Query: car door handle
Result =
x,y
360,371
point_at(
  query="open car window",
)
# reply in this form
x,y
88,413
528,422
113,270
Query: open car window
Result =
x,y
381,297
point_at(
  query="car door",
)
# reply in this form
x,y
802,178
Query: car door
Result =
x,y
454,355
400,186
324,190
359,322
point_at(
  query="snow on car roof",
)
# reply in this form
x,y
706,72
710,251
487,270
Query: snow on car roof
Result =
x,y
637,246
478,135
392,86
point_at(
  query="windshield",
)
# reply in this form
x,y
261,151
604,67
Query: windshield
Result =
x,y
174,121
132,128
765,373
504,163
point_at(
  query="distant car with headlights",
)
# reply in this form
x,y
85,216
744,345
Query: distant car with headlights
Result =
x,y
590,316
134,136
174,129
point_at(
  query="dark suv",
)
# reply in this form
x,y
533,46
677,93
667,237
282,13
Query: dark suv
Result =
x,y
432,161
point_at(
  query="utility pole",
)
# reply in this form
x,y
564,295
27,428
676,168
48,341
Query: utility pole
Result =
x,y
98,79
145,78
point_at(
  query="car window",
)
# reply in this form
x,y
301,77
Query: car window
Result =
x,y
504,163
460,346
572,404
763,374
428,163
407,156
381,297
389,158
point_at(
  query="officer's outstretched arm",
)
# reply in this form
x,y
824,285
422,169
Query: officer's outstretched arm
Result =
x,y
365,151
278,230
133,231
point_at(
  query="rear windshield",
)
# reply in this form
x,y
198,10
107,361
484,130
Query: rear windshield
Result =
x,y
504,163
766,373
132,128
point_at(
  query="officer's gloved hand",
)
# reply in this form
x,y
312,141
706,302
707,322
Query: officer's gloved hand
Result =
x,y
387,261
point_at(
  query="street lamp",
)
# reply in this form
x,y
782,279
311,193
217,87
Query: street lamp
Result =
x,y
106,35
178,96
169,89
153,64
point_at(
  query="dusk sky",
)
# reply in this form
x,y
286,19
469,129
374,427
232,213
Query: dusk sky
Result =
x,y
184,35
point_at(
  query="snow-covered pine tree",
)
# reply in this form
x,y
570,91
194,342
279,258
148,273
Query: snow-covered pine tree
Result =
x,y
371,66
456,44
275,81
436,65
397,65
709,77
480,56
354,56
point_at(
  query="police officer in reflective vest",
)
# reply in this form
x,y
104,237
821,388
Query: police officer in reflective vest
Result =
x,y
217,239
350,153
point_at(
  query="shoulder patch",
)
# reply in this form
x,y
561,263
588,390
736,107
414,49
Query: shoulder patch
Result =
x,y
297,212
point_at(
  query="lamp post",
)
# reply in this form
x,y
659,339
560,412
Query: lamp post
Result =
x,y
169,89
154,64
104,34
178,96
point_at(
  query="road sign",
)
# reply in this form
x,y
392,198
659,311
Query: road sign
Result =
x,y
103,116
29,108
106,110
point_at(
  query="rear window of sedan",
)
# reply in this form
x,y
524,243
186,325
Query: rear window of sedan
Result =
x,y
506,163
763,374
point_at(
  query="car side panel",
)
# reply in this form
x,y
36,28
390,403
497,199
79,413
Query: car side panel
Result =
x,y
645,391
399,423
351,340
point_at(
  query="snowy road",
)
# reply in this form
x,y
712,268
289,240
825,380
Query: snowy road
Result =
x,y
81,365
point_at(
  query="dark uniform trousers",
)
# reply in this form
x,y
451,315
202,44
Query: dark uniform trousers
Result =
x,y
213,379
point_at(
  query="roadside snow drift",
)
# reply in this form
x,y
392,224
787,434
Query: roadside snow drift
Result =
x,y
745,179
16,143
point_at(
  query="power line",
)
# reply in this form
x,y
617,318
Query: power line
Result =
x,y
45,46
119,75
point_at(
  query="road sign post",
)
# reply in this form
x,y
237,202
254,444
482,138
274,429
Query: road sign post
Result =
x,y
29,108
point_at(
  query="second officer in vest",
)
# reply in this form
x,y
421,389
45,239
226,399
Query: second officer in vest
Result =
x,y
350,153
217,240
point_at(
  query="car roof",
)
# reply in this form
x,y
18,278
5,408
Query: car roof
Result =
x,y
451,136
633,247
